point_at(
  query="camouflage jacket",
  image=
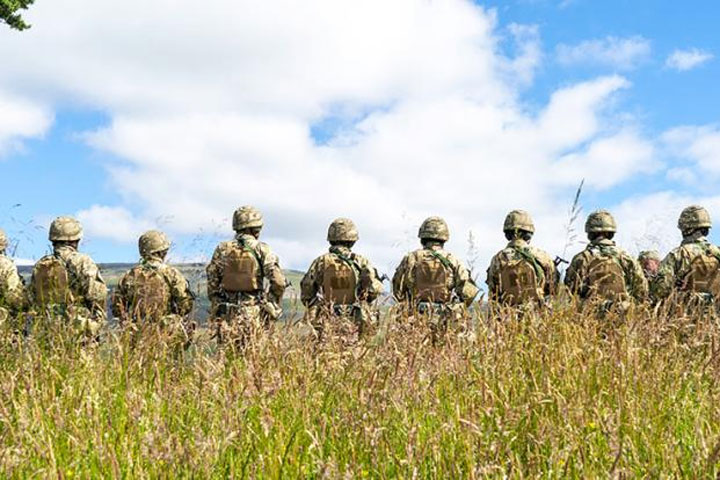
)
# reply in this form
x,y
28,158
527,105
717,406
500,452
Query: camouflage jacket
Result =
x,y
270,266
458,281
676,265
87,285
181,297
547,282
12,294
369,282
576,274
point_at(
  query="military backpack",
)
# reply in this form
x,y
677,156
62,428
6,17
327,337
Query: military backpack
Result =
x,y
51,281
606,277
703,275
340,280
431,274
243,270
520,279
150,293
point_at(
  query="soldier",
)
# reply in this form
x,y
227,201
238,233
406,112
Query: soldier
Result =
x,y
604,271
341,284
153,292
650,262
432,282
67,282
12,295
691,270
236,275
521,274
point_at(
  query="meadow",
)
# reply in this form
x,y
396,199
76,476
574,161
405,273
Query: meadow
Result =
x,y
550,395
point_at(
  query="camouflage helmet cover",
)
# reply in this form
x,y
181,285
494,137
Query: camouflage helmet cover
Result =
x,y
3,241
600,221
434,228
518,220
152,242
694,216
247,217
65,229
342,230
649,255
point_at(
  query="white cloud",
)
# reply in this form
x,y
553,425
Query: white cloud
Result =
x,y
115,223
616,52
697,144
20,119
683,60
212,108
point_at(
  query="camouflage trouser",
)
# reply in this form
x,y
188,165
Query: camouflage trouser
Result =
x,y
241,326
350,322
442,317
173,330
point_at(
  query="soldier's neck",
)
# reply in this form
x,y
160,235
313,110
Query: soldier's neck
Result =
x,y
340,249
696,237
518,242
64,249
603,242
433,246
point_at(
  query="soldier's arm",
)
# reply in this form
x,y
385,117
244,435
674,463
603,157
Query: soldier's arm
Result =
x,y
13,289
399,281
573,277
664,282
310,283
182,297
95,289
118,303
638,282
370,284
493,279
465,287
552,276
274,274
214,272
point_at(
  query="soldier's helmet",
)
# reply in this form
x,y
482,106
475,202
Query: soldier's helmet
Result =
x,y
694,217
3,241
65,229
649,255
434,228
600,221
247,217
342,230
518,220
152,242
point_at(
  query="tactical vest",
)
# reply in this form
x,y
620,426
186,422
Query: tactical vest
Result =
x,y
606,278
51,282
520,279
150,293
243,270
340,280
431,274
703,276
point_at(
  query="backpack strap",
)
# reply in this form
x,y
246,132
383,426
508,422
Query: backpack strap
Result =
x,y
525,253
245,247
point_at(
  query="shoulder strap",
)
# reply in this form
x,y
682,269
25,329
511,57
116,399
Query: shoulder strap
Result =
x,y
245,247
527,255
446,263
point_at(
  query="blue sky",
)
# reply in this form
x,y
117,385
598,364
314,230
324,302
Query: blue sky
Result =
x,y
385,114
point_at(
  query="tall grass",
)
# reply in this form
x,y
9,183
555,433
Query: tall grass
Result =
x,y
554,394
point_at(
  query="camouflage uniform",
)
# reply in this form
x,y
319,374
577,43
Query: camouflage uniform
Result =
x,y
177,300
242,314
451,299
86,306
675,269
577,274
650,262
365,284
546,273
12,295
